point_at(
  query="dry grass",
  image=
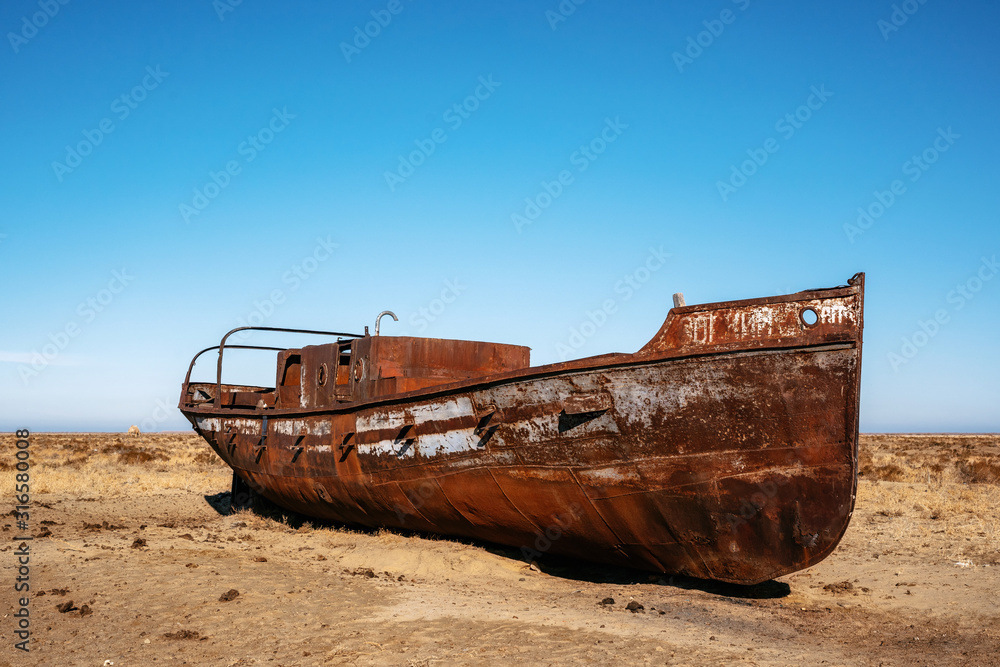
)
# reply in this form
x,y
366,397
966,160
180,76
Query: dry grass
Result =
x,y
959,520
938,490
115,465
939,459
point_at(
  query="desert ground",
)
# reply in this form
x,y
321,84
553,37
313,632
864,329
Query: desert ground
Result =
x,y
136,561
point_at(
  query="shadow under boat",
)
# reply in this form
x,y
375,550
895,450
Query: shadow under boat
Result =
x,y
562,567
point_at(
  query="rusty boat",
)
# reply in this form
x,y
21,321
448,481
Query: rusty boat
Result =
x,y
725,448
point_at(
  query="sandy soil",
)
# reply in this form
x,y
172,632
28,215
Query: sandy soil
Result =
x,y
139,541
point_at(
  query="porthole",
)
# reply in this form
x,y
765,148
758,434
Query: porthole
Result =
x,y
809,317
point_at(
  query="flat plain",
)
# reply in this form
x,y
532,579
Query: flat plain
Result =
x,y
135,560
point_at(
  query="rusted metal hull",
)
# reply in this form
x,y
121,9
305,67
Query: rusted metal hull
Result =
x,y
725,449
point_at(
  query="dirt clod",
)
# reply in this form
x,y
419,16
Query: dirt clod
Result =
x,y
839,587
229,595
366,572
634,607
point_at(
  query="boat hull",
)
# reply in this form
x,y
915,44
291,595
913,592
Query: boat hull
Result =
x,y
735,463
726,449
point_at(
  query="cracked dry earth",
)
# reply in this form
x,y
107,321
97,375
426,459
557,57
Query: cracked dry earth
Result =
x,y
159,575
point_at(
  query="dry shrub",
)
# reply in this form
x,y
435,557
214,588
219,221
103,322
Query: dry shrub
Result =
x,y
886,472
256,521
137,456
979,472
204,458
72,462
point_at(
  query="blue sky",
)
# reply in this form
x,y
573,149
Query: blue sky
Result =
x,y
174,170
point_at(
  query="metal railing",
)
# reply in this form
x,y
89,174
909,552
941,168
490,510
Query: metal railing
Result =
x,y
221,347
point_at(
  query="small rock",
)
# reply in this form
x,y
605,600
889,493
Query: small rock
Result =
x,y
229,595
181,634
65,607
186,536
260,559
85,610
139,543
607,601
634,607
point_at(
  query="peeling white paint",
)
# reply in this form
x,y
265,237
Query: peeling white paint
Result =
x,y
429,445
301,426
700,328
207,423
774,321
757,323
452,442
836,313
383,418
382,447
242,426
